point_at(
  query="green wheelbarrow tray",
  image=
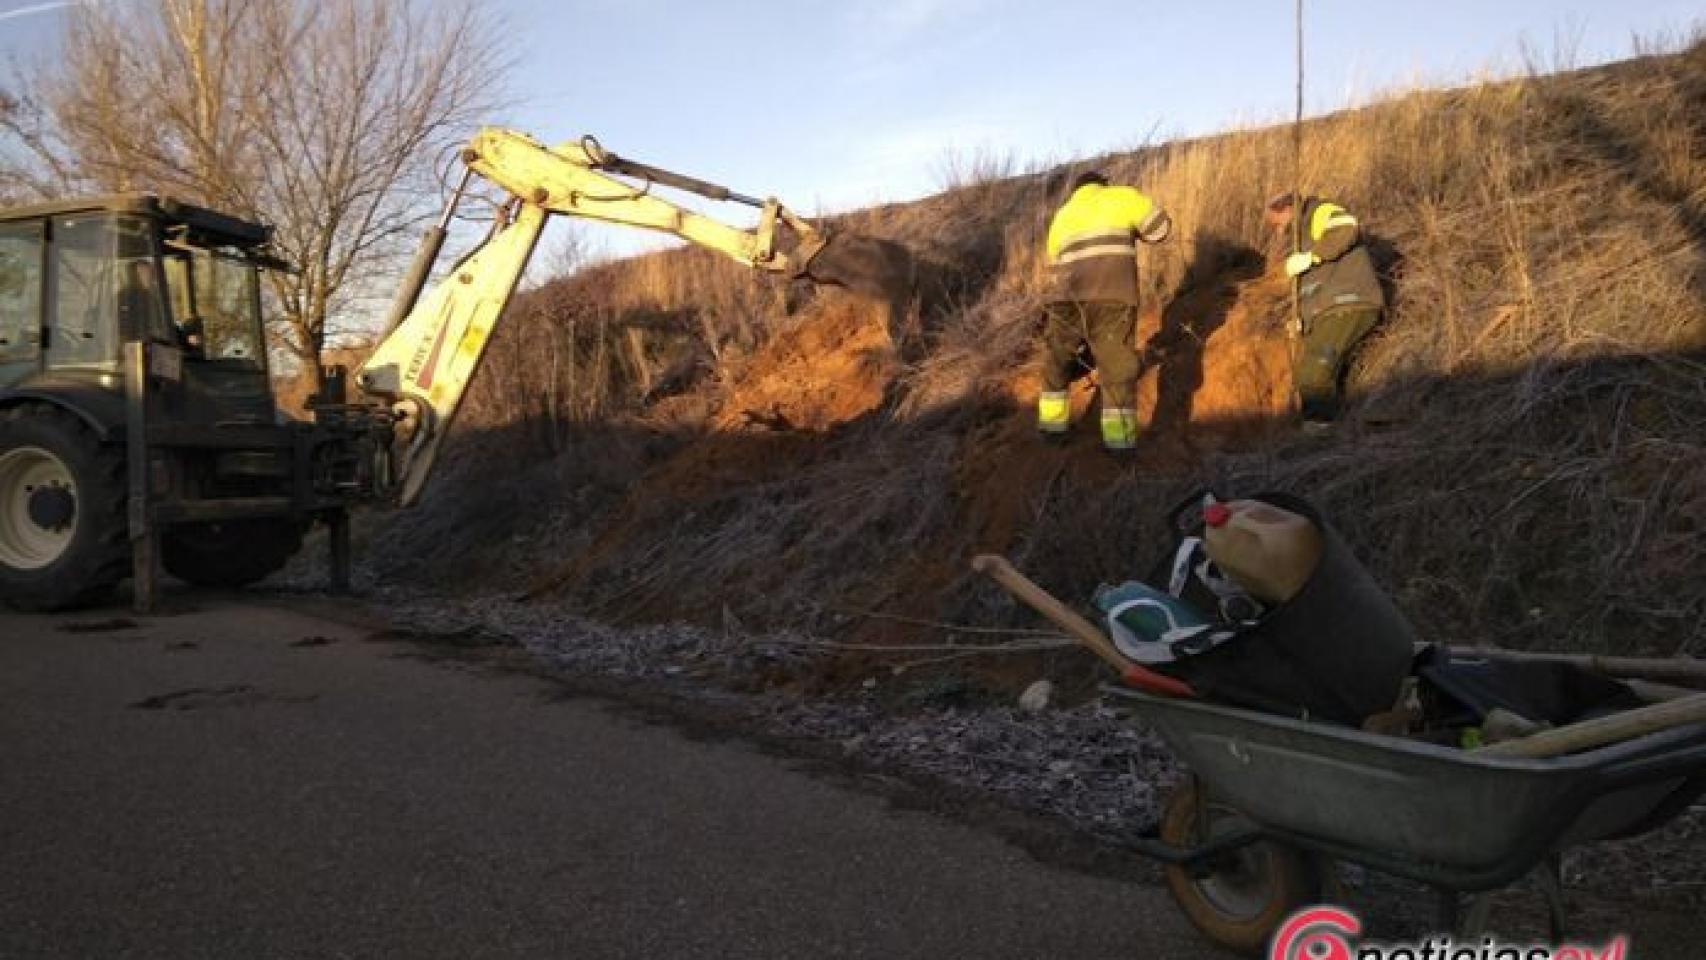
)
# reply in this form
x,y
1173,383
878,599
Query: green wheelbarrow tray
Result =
x,y
1449,818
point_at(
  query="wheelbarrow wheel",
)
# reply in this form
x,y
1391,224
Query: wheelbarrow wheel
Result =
x,y
1239,901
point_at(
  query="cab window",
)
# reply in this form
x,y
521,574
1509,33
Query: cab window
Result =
x,y
82,290
230,307
141,306
215,305
20,288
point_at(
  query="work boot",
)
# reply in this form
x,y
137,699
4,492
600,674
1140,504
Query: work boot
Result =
x,y
1054,413
1119,429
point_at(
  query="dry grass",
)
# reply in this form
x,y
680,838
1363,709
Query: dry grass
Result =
x,y
1523,462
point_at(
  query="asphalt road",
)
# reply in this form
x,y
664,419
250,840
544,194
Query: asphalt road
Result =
x,y
241,781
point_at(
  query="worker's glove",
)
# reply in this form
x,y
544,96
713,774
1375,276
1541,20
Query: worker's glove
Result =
x,y
1299,263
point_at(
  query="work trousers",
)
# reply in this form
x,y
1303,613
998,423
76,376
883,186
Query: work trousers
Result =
x,y
1109,328
1328,341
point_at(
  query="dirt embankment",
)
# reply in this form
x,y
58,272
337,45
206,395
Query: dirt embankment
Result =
x,y
1217,375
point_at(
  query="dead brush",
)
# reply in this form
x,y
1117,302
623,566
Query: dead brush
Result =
x,y
780,552
972,357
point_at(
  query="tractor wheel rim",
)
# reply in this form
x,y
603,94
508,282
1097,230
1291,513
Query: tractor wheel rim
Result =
x,y
24,543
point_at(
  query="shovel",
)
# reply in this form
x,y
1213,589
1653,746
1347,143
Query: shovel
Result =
x,y
998,569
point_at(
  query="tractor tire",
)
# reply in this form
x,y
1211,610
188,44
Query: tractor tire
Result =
x,y
229,553
1240,902
64,536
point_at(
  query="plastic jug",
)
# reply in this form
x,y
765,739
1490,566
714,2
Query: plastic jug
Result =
x,y
1270,551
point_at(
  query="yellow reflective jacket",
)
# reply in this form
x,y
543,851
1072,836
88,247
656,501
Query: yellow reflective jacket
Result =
x,y
1344,274
1092,242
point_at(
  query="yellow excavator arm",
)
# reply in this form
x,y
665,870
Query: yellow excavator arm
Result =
x,y
571,179
433,343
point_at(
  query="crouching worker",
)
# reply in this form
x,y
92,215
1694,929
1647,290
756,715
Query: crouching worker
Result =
x,y
1092,255
1339,297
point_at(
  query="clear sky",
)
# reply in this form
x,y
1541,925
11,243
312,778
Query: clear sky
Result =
x,y
831,104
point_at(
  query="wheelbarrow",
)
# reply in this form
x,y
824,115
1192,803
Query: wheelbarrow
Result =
x,y
1272,801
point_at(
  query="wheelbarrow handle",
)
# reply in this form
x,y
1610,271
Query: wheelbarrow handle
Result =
x,y
998,569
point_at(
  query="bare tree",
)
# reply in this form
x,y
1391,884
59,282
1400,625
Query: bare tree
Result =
x,y
35,162
324,117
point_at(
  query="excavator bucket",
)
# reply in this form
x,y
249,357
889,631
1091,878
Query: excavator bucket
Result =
x,y
868,266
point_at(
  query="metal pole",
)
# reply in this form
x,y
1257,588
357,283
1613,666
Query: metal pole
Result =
x,y
1297,182
144,545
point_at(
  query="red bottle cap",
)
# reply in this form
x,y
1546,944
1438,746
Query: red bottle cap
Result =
x,y
1216,514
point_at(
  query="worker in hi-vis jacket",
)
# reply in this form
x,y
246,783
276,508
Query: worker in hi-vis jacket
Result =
x,y
1092,255
1338,292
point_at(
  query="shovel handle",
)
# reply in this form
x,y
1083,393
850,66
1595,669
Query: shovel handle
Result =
x,y
998,569
1601,731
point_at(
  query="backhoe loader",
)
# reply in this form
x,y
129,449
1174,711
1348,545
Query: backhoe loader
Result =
x,y
137,425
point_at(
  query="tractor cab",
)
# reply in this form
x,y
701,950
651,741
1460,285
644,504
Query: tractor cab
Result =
x,y
137,422
79,279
